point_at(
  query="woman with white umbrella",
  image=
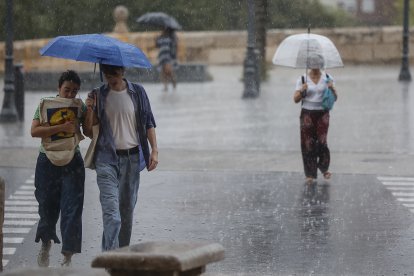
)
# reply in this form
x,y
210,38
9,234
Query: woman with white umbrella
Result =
x,y
314,118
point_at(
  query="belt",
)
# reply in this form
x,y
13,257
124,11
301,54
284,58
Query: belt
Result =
x,y
127,151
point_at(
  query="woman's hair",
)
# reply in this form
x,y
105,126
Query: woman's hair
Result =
x,y
111,69
316,61
69,75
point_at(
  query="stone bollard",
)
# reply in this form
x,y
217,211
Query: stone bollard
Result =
x,y
120,15
2,191
43,271
160,259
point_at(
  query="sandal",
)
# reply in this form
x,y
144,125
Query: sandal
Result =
x,y
309,180
327,175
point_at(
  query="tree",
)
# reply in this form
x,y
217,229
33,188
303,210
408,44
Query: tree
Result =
x,y
399,6
50,18
261,18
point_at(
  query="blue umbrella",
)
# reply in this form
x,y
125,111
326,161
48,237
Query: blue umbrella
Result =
x,y
96,48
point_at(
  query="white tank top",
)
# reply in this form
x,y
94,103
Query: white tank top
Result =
x,y
314,95
120,111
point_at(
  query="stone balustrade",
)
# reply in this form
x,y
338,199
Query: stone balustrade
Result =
x,y
361,45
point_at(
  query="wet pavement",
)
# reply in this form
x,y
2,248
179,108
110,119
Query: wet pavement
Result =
x,y
269,223
230,172
371,126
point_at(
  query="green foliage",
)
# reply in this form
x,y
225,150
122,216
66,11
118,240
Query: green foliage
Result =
x,y
301,13
196,15
399,5
50,18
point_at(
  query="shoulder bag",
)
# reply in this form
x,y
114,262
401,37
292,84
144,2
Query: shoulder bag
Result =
x,y
89,159
328,98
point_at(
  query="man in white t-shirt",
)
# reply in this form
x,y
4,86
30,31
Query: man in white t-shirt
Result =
x,y
126,125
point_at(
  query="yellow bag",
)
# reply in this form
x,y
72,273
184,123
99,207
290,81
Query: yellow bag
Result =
x,y
60,148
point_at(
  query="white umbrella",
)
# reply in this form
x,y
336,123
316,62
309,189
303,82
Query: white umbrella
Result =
x,y
294,51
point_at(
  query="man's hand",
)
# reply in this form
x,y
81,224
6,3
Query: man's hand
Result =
x,y
153,160
68,127
91,102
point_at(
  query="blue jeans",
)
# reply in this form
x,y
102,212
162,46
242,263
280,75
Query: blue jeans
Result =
x,y
60,189
118,186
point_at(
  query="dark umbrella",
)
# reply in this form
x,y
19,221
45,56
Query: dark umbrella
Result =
x,y
159,19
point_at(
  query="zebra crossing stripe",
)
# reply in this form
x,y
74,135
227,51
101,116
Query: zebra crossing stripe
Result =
x,y
402,188
402,194
13,240
20,215
398,183
29,209
16,230
19,202
9,250
402,199
22,197
393,178
24,192
29,181
25,187
20,222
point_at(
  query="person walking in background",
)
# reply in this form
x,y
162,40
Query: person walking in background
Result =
x,y
314,119
167,57
127,124
60,172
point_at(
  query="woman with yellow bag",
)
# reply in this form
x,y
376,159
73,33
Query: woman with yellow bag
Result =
x,y
60,172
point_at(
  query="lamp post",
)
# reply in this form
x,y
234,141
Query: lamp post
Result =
x,y
251,74
405,70
8,112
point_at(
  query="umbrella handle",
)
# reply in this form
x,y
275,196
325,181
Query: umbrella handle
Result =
x,y
303,93
100,72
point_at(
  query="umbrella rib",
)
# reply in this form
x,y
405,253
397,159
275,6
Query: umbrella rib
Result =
x,y
80,51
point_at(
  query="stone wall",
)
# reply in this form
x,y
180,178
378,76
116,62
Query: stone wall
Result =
x,y
356,45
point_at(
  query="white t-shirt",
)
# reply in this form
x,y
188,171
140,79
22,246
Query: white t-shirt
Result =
x,y
314,94
120,111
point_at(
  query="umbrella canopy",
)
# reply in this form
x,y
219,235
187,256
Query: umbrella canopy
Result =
x,y
159,19
96,48
295,50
